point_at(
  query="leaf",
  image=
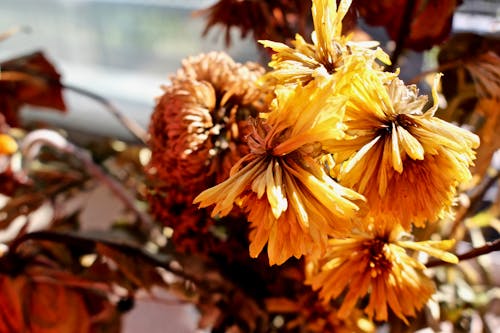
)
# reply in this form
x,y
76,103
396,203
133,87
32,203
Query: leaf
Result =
x,y
11,315
431,20
136,272
489,133
53,308
29,79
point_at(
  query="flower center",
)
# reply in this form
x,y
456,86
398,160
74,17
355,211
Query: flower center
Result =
x,y
379,263
401,120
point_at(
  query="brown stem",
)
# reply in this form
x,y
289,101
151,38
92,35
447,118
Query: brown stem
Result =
x,y
474,198
128,123
404,31
35,139
440,68
90,243
487,248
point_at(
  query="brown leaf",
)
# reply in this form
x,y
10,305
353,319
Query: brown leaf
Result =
x,y
29,79
469,58
430,25
45,299
262,19
136,272
489,133
53,308
11,312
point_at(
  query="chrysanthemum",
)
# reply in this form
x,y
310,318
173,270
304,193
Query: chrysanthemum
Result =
x,y
376,262
196,135
329,52
291,202
407,163
199,122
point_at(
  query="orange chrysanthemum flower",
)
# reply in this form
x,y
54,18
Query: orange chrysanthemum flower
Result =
x,y
292,203
329,52
407,163
376,262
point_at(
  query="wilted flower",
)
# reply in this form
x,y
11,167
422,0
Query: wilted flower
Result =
x,y
269,19
200,121
292,203
329,52
197,131
407,163
375,262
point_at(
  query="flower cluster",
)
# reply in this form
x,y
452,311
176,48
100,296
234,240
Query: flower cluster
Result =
x,y
341,163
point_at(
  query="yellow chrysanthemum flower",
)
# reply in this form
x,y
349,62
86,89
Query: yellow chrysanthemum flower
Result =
x,y
376,262
291,202
329,52
407,163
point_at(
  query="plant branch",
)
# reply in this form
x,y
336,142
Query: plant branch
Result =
x,y
36,139
90,243
485,249
404,31
441,68
128,123
474,198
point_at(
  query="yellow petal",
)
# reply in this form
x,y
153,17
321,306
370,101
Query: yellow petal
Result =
x,y
410,144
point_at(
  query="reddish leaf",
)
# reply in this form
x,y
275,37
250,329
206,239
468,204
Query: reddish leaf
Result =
x,y
45,300
29,79
430,21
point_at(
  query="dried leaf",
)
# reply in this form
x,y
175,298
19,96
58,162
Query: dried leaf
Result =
x,y
269,19
29,79
489,133
431,20
136,272
11,310
30,306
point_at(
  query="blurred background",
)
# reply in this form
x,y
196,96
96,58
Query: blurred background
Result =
x,y
121,49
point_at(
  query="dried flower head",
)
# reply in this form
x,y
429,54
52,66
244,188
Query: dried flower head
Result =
x,y
292,204
375,262
264,19
197,133
329,52
199,123
407,163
